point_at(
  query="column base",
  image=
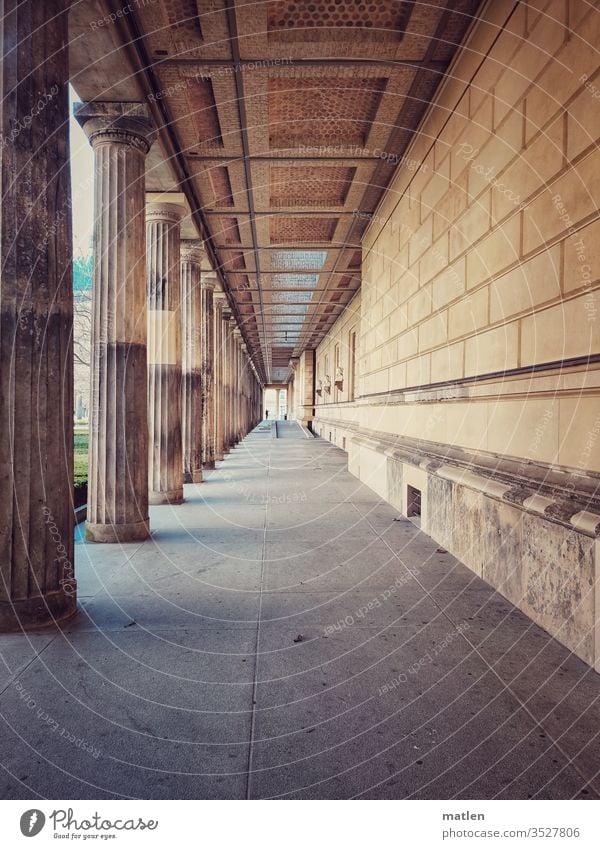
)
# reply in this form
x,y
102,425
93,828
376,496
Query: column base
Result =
x,y
173,496
39,611
210,464
193,477
130,532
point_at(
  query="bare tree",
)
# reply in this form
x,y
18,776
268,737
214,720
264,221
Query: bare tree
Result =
x,y
82,326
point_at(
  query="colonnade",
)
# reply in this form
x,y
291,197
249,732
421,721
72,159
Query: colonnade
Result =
x,y
172,386
154,300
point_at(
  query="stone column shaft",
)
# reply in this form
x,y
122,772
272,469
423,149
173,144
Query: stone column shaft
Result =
x,y
117,511
208,354
224,371
218,380
304,387
238,394
228,328
242,393
234,388
191,313
246,394
37,584
229,385
234,383
259,401
164,353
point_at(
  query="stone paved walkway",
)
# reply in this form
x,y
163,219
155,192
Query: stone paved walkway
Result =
x,y
284,634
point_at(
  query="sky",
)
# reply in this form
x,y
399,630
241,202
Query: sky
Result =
x,y
82,185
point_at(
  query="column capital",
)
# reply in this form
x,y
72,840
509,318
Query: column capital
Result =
x,y
159,210
208,281
116,123
192,250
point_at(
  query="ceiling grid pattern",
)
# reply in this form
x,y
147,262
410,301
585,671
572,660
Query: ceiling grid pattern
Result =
x,y
327,87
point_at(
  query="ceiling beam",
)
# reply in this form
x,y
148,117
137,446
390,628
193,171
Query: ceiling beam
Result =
x,y
241,104
134,47
289,212
309,247
342,157
306,271
293,62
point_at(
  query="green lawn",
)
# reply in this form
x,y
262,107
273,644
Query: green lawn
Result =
x,y
81,458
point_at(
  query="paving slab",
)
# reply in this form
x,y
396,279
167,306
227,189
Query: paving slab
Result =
x,y
286,634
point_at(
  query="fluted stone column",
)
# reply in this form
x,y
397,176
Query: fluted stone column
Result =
x,y
242,390
37,584
233,379
225,315
304,380
208,283
237,336
226,361
259,394
191,313
234,385
218,299
244,384
229,325
165,473
121,135
236,380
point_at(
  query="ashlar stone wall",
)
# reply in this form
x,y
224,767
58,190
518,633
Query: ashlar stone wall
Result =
x,y
478,357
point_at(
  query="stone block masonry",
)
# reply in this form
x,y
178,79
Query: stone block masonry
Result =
x,y
479,325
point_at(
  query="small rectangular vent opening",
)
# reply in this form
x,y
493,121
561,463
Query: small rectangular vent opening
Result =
x,y
413,502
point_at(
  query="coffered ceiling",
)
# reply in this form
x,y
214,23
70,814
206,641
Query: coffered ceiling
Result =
x,y
283,122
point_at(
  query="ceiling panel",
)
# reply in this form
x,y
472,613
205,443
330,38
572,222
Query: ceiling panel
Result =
x,y
285,118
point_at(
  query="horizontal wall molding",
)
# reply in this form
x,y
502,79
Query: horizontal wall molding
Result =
x,y
566,496
456,384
